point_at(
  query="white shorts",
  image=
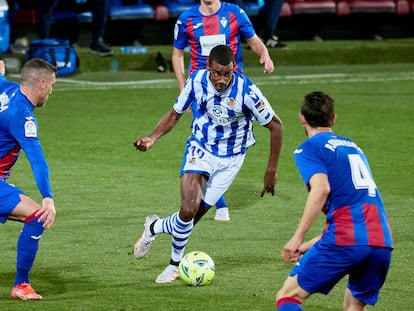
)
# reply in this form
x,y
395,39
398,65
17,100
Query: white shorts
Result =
x,y
220,171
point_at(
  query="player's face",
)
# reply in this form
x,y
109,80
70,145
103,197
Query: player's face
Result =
x,y
46,90
220,75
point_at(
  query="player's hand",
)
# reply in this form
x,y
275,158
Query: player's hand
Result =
x,y
143,143
269,183
47,212
268,66
290,252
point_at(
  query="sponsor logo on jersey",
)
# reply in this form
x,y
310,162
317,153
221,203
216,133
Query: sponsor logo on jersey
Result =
x,y
260,106
198,25
4,101
30,129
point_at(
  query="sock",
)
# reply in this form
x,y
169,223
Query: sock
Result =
x,y
164,225
288,304
221,203
27,246
180,235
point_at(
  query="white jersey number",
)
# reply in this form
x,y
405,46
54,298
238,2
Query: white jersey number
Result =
x,y
361,177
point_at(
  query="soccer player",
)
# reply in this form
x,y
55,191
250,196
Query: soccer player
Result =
x,y
224,105
205,26
19,130
357,239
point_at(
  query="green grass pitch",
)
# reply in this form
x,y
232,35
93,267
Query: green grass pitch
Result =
x,y
104,188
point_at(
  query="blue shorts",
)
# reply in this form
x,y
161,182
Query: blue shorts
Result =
x,y
324,265
9,198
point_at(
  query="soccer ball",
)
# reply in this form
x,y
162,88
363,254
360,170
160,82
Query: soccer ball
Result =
x,y
196,269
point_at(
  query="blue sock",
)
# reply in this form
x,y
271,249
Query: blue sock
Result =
x,y
27,246
288,304
221,203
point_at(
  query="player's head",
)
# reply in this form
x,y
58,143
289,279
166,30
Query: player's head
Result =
x,y
318,110
221,66
37,80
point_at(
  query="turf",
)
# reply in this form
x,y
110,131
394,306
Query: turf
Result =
x,y
104,189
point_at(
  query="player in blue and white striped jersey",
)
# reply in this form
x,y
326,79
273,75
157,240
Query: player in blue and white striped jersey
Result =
x,y
224,105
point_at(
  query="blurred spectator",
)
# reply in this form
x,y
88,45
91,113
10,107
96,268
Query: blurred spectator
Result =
x,y
18,41
267,21
99,8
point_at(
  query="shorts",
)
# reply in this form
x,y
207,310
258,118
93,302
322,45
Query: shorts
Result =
x,y
324,265
9,198
220,171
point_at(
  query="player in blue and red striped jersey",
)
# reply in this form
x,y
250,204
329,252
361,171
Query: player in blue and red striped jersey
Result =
x,y
224,104
214,23
357,239
19,131
205,26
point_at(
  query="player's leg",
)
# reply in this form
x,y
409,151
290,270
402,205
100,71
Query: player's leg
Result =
x,y
191,188
351,303
291,296
367,276
222,210
27,246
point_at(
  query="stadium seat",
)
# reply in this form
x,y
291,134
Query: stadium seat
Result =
x,y
342,7
176,7
402,7
312,6
140,10
372,6
24,17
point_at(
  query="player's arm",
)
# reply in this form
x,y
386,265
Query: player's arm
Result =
x,y
166,124
41,174
2,68
319,191
40,170
276,135
177,60
257,45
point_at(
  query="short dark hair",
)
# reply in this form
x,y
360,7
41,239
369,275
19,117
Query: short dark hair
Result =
x,y
36,69
318,109
222,55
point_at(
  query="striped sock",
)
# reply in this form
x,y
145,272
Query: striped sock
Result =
x,y
180,235
288,304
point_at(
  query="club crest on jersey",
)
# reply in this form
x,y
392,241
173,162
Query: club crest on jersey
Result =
x,y
230,103
223,21
30,129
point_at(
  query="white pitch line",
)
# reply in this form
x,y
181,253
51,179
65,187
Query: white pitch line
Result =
x,y
262,80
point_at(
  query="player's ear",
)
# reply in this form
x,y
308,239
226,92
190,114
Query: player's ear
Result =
x,y
333,120
302,120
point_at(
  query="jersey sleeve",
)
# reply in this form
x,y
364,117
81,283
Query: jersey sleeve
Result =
x,y
186,97
40,170
308,162
258,104
180,36
24,130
